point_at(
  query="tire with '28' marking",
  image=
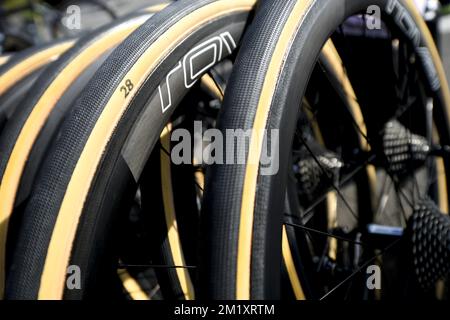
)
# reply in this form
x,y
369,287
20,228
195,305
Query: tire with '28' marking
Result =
x,y
105,143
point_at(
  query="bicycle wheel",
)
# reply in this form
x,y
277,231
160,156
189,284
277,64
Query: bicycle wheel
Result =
x,y
26,138
244,235
129,102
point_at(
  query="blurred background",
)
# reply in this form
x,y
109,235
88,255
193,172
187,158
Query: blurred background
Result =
x,y
25,23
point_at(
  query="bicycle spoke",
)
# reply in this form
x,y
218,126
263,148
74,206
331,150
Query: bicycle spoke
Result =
x,y
397,191
384,196
199,186
352,119
430,162
217,84
322,257
312,113
431,168
210,82
154,266
347,178
358,270
402,193
164,150
416,187
324,233
154,291
330,180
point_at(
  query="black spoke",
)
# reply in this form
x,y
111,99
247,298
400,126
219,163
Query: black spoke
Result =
x,y
160,144
309,213
416,187
341,93
164,150
414,178
400,111
432,175
359,269
216,84
313,112
398,192
430,164
155,266
198,186
198,168
324,171
154,291
325,233
354,98
322,257
385,190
